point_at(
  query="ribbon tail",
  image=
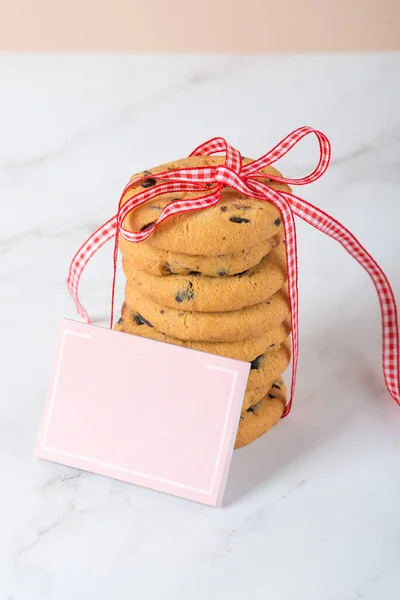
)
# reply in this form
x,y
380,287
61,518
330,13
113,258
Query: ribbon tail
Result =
x,y
390,325
289,226
86,251
293,292
280,200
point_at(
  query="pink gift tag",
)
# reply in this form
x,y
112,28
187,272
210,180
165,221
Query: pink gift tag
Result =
x,y
161,416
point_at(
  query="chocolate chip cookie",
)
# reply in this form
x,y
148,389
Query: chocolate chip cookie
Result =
x,y
145,257
236,222
210,294
246,350
264,368
257,419
267,367
272,366
229,326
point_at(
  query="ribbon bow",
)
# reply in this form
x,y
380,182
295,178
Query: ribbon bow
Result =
x,y
245,179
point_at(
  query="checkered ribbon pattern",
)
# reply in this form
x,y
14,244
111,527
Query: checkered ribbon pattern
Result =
x,y
209,181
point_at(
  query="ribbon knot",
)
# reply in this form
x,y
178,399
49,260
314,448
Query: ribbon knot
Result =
x,y
227,177
209,182
224,175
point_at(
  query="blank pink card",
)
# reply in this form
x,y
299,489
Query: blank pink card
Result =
x,y
149,413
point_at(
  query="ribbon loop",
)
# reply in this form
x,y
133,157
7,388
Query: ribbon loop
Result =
x,y
284,146
233,158
209,181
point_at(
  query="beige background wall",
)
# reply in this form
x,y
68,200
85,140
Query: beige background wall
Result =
x,y
203,25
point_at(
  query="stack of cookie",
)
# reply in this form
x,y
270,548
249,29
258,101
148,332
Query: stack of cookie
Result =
x,y
214,280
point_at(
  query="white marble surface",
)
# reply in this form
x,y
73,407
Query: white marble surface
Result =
x,y
312,509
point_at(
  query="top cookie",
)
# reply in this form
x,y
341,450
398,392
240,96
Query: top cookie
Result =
x,y
236,222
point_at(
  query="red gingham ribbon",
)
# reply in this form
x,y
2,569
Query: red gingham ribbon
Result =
x,y
245,179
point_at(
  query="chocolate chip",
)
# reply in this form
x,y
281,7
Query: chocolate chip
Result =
x,y
241,274
139,320
194,273
149,182
256,363
252,408
120,321
271,396
162,312
241,418
167,268
278,221
275,385
271,346
223,208
239,220
147,226
222,273
284,242
187,294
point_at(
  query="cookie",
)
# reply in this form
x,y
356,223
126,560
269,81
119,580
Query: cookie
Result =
x,y
210,294
209,327
267,367
260,417
236,222
144,257
259,382
254,395
264,370
246,350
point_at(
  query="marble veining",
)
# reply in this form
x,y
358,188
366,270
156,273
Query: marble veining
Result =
x,y
311,509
